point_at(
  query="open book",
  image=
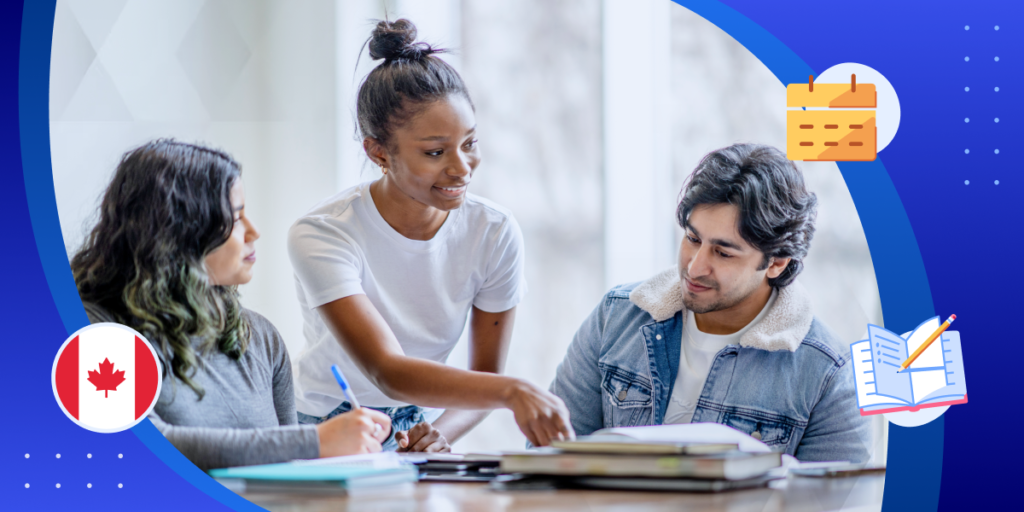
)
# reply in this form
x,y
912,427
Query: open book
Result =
x,y
686,433
935,379
612,443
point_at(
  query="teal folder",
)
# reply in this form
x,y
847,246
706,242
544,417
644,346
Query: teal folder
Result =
x,y
291,477
303,472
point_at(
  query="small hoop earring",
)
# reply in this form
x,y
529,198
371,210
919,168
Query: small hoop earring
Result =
x,y
383,170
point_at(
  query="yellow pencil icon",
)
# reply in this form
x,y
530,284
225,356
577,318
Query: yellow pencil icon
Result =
x,y
935,335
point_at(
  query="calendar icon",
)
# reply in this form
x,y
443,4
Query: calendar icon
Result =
x,y
843,127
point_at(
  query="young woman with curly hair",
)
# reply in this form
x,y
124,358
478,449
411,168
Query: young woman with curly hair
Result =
x,y
172,244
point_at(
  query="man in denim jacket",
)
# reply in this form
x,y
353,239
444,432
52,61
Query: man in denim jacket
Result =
x,y
728,336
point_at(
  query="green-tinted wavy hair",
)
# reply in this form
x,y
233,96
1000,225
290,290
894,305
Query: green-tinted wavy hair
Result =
x,y
167,207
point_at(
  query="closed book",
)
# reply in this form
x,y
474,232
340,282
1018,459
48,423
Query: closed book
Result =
x,y
521,482
611,443
672,484
728,466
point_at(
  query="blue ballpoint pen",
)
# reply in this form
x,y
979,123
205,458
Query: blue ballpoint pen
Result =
x,y
344,387
348,392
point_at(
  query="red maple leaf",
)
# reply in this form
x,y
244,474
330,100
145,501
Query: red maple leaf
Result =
x,y
107,379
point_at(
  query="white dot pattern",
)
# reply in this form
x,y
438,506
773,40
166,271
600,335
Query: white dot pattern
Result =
x,y
967,120
121,456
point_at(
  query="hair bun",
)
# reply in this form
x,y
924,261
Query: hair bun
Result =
x,y
397,40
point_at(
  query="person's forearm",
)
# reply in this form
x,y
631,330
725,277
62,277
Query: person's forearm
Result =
x,y
454,424
210,447
362,332
430,384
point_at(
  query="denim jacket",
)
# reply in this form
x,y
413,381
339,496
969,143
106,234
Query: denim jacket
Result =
x,y
788,382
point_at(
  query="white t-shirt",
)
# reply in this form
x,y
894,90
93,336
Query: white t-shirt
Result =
x,y
422,289
698,351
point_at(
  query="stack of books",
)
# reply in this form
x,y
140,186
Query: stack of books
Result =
x,y
695,457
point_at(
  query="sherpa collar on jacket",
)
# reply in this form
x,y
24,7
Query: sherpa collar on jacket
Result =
x,y
783,328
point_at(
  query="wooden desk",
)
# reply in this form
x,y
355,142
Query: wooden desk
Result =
x,y
860,494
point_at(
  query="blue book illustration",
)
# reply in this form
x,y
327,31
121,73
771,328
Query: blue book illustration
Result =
x,y
935,379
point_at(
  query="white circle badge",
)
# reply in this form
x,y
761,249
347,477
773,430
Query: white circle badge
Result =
x,y
106,377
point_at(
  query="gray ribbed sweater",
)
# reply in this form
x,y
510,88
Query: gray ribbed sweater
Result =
x,y
247,415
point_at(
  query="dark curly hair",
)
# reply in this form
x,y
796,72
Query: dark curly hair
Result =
x,y
777,212
167,207
409,78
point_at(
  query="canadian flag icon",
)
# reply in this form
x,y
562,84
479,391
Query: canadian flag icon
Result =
x,y
106,377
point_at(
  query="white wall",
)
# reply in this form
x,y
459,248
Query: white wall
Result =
x,y
255,78
637,146
533,68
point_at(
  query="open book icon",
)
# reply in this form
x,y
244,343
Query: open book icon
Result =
x,y
935,379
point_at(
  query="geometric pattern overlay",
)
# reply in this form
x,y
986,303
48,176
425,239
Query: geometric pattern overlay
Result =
x,y
117,63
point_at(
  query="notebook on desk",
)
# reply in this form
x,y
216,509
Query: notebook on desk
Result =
x,y
520,482
936,378
725,466
635,458
337,474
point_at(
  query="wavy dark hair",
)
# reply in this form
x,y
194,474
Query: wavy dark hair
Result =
x,y
167,207
777,213
409,78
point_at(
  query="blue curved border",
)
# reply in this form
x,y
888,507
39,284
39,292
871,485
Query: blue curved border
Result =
x,y
914,465
34,121
915,456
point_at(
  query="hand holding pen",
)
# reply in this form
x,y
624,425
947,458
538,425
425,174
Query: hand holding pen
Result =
x,y
349,395
360,430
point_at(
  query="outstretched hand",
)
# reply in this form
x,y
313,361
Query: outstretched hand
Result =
x,y
541,416
422,437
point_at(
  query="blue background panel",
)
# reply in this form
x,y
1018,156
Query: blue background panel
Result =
x,y
969,235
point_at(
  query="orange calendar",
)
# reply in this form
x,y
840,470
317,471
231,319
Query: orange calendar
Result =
x,y
842,126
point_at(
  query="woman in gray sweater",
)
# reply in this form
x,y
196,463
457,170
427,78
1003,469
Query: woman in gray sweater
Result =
x,y
171,245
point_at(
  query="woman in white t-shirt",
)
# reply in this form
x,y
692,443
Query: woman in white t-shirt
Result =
x,y
388,271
